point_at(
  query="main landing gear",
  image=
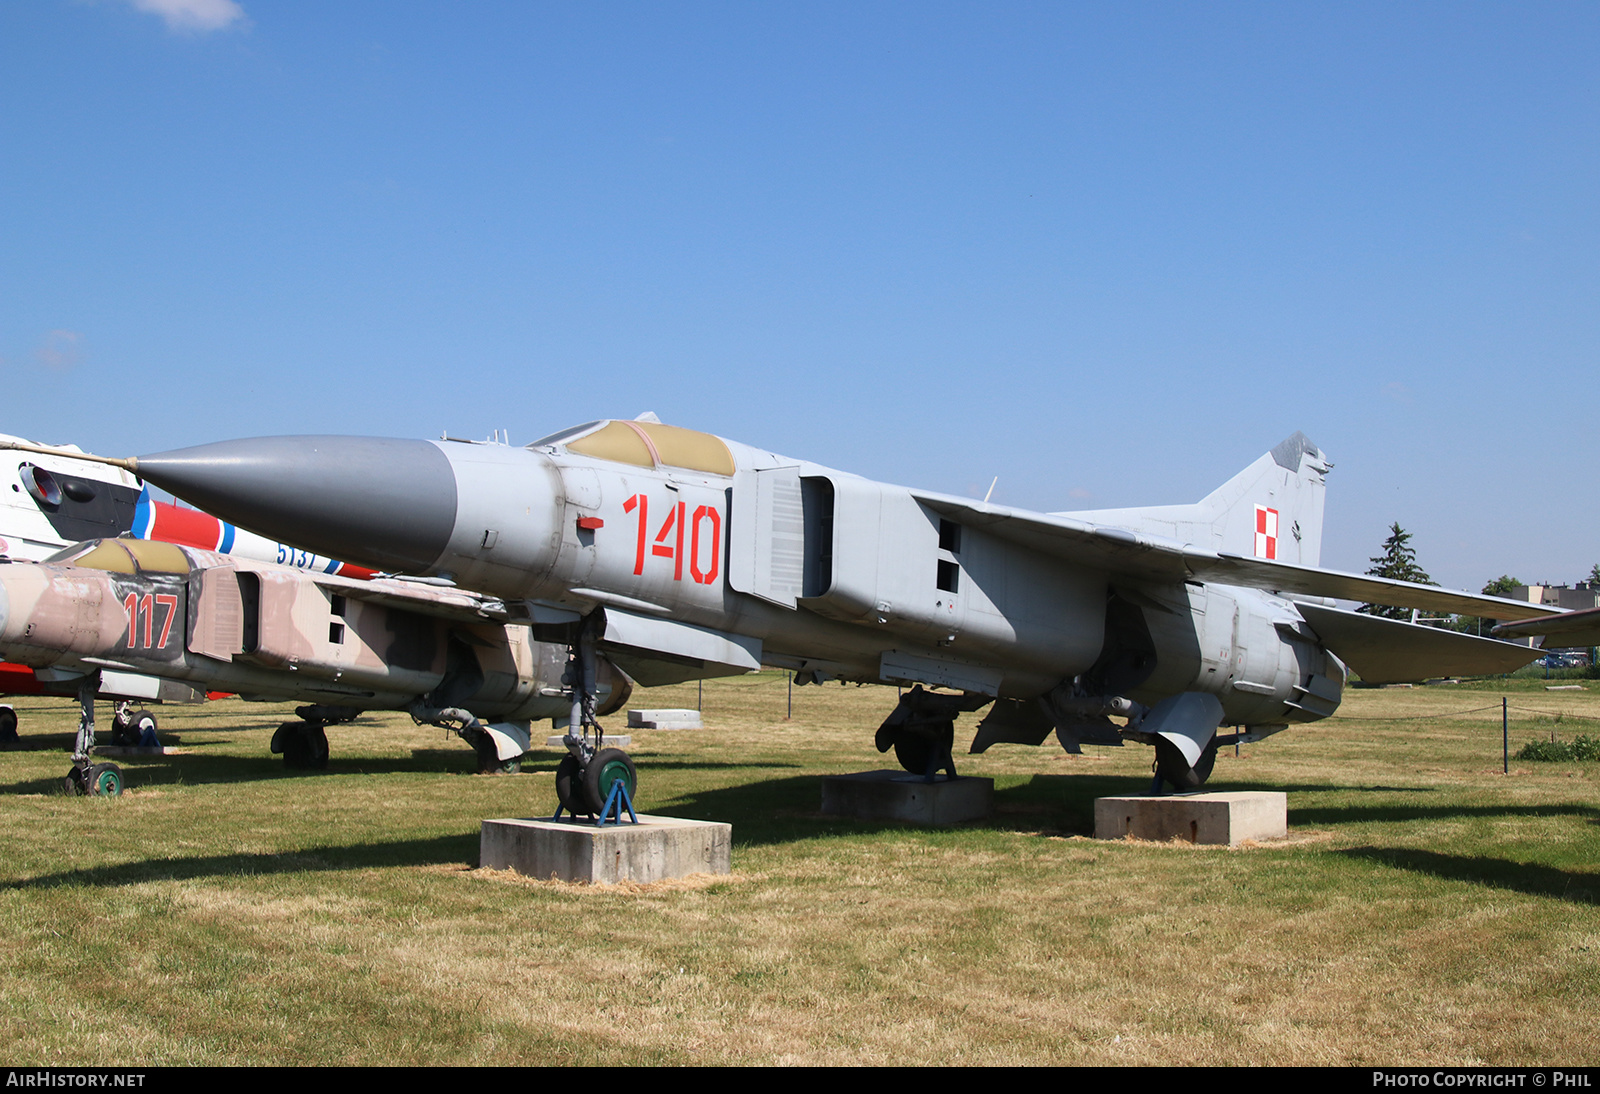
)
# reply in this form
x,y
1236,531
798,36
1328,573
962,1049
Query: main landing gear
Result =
x,y
86,777
591,780
133,728
922,730
1173,768
304,744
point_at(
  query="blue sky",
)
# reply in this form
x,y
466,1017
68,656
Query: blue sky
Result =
x,y
1108,253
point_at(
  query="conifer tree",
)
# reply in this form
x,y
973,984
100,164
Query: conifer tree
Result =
x,y
1398,563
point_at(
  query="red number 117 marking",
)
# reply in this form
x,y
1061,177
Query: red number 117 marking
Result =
x,y
133,603
676,526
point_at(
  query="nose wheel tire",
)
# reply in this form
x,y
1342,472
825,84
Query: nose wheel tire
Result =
x,y
105,781
609,766
99,780
583,790
569,787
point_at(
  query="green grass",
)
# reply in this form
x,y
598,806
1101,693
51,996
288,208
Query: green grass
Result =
x,y
1426,909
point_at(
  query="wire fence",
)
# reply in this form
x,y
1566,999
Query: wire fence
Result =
x,y
1511,711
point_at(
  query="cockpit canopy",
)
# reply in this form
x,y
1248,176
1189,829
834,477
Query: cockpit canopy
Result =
x,y
125,556
645,444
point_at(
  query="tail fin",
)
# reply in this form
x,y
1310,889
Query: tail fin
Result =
x,y
1271,509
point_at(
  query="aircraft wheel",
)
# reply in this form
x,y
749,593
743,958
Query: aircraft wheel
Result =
x,y
569,786
1172,767
609,766
105,781
139,724
489,761
8,725
914,751
304,746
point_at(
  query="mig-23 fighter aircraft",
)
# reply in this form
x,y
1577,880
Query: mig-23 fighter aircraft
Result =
x,y
265,631
678,554
57,499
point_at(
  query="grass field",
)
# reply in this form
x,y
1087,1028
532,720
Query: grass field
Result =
x,y
1426,909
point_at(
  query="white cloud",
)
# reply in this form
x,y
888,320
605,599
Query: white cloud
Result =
x,y
193,16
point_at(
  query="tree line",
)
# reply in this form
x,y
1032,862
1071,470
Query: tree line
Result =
x,y
1399,562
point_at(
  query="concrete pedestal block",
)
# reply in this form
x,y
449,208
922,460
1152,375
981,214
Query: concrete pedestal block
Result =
x,y
664,719
654,849
613,740
902,796
1196,818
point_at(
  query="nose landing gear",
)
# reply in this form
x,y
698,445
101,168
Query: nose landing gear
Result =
x,y
591,780
85,777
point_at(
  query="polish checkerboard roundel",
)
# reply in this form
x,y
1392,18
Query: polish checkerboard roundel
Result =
x,y
1266,532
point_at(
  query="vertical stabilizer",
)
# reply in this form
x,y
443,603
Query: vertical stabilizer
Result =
x,y
1271,509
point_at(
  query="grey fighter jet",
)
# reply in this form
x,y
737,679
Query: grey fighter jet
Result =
x,y
678,554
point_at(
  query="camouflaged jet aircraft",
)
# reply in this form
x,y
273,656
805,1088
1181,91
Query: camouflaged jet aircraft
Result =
x,y
269,632
57,499
679,554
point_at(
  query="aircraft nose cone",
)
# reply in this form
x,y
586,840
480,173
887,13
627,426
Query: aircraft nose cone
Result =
x,y
373,500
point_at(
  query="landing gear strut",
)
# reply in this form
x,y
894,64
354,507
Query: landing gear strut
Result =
x,y
86,777
591,777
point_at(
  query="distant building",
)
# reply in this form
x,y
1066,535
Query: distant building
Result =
x,y
1584,594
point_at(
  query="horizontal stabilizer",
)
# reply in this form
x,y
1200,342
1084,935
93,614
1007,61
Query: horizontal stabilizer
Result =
x,y
1388,651
1569,629
1257,573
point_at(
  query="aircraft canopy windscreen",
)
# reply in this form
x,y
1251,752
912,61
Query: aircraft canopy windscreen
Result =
x,y
125,556
651,444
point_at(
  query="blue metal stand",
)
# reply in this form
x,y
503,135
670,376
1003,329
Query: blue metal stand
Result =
x,y
616,801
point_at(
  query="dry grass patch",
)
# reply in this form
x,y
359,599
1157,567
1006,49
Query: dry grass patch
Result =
x,y
1425,909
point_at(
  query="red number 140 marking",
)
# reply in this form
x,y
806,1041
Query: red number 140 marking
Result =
x,y
676,526
132,604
